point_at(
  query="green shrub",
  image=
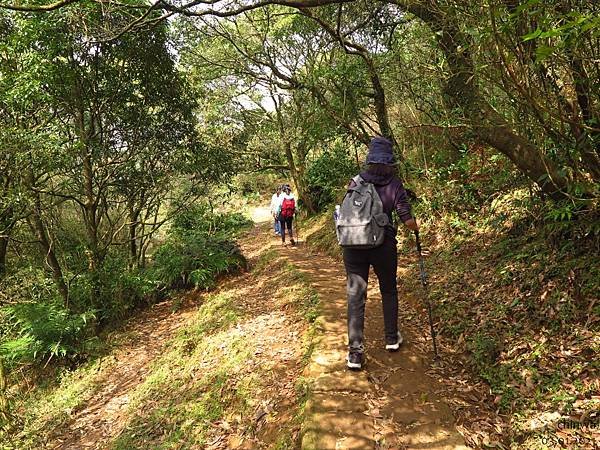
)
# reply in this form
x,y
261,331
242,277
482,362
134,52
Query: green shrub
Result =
x,y
193,260
123,288
199,218
198,250
327,173
38,331
485,349
36,325
253,184
464,184
113,290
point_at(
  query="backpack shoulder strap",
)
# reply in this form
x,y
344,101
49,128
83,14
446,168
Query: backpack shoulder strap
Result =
x,y
358,180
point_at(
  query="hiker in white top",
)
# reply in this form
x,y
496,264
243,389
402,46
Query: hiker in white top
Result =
x,y
275,203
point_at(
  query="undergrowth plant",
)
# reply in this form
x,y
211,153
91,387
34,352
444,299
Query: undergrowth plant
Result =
x,y
37,326
198,249
326,173
514,278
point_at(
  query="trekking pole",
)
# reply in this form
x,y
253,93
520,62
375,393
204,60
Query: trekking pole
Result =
x,y
426,290
296,230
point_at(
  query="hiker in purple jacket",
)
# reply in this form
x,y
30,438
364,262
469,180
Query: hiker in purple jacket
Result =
x,y
382,172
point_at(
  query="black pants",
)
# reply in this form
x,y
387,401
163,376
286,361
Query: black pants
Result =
x,y
283,221
384,260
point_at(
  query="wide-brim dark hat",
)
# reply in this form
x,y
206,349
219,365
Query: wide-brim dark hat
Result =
x,y
381,152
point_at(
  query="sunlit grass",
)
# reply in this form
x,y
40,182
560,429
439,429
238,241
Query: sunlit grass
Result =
x,y
199,380
51,406
203,379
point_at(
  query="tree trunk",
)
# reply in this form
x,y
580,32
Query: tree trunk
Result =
x,y
133,251
5,415
588,143
298,177
3,252
462,92
134,215
521,152
302,151
7,222
90,212
48,253
38,228
90,206
381,110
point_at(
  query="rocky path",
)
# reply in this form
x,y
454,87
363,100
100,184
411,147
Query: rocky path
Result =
x,y
394,403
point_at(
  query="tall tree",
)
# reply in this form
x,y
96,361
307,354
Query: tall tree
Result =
x,y
104,130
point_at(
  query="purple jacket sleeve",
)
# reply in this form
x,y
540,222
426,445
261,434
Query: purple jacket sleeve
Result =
x,y
401,204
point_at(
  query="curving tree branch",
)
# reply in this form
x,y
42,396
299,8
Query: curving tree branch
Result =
x,y
217,9
40,8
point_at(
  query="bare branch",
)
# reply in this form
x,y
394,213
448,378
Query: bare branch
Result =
x,y
40,8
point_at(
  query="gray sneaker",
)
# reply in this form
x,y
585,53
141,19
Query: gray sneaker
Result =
x,y
355,360
393,346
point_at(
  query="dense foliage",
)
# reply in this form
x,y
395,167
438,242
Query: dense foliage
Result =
x,y
100,151
126,129
36,325
327,173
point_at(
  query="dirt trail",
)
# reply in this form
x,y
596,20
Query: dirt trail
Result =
x,y
102,416
392,404
105,415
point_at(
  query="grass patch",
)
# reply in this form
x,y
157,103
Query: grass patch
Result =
x,y
202,387
297,288
265,260
184,394
51,404
320,235
289,438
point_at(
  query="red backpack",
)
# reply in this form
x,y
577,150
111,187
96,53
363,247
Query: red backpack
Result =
x,y
288,208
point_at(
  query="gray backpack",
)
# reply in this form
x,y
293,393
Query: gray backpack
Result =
x,y
361,222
